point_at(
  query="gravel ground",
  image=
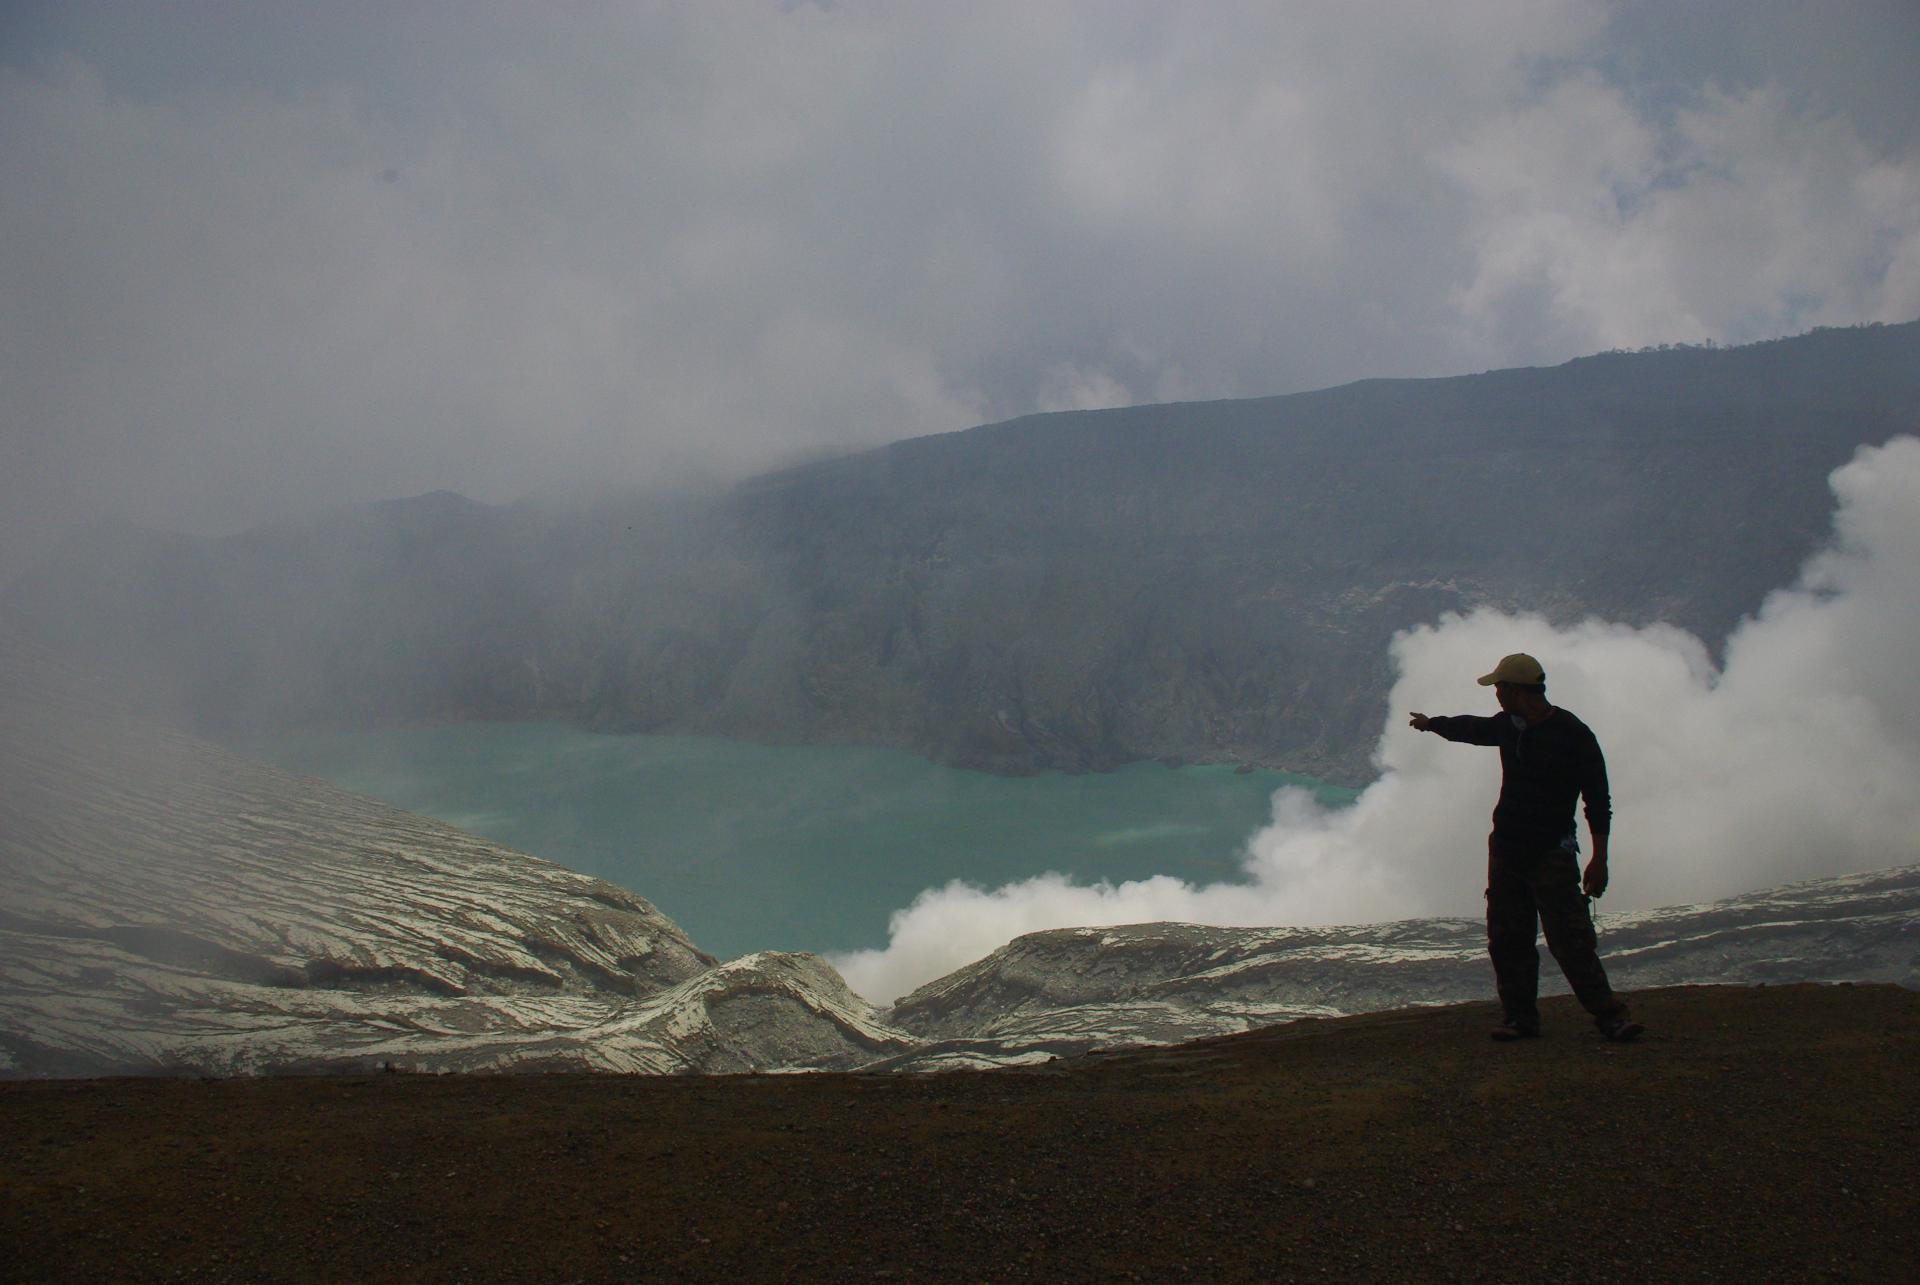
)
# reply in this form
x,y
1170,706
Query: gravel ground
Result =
x,y
1753,1134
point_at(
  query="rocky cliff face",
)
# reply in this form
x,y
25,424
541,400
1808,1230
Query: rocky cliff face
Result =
x,y
168,907
1210,581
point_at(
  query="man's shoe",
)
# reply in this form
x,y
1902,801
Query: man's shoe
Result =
x,y
1515,1029
1618,1026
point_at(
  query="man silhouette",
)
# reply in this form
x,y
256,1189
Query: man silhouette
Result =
x,y
1548,759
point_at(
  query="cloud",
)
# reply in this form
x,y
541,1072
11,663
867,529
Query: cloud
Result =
x,y
1743,217
1796,758
1071,388
262,257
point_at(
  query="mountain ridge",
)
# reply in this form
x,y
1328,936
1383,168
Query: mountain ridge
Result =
x,y
1209,581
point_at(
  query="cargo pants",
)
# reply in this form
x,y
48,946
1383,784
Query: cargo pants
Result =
x,y
1529,889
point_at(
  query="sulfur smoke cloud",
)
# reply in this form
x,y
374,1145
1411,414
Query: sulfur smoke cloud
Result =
x,y
1798,756
261,258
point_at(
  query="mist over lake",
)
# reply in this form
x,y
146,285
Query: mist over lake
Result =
x,y
753,847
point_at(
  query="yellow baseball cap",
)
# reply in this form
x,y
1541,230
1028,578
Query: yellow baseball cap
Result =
x,y
1517,668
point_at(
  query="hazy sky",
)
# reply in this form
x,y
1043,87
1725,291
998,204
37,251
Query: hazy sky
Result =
x,y
259,256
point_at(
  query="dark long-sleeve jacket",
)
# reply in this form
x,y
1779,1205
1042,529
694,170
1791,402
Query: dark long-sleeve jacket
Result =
x,y
1543,768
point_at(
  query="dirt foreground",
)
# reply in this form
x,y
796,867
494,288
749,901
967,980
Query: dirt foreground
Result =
x,y
1753,1134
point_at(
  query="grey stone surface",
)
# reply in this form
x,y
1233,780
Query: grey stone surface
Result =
x,y
167,906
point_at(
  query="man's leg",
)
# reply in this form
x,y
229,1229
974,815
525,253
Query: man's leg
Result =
x,y
1512,925
1566,914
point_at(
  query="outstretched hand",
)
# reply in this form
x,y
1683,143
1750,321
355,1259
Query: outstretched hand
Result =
x,y
1418,722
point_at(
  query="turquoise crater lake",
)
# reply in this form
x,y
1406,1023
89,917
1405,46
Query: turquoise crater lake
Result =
x,y
754,847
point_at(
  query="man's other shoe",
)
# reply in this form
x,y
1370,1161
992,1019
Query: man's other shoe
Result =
x,y
1516,1028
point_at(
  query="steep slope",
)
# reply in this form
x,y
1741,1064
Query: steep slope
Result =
x,y
1211,581
167,905
1220,580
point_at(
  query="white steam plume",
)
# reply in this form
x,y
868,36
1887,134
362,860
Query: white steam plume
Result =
x,y
1799,758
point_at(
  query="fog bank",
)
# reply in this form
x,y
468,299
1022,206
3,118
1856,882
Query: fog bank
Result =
x,y
260,258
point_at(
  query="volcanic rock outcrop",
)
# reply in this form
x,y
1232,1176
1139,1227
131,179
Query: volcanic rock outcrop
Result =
x,y
169,906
